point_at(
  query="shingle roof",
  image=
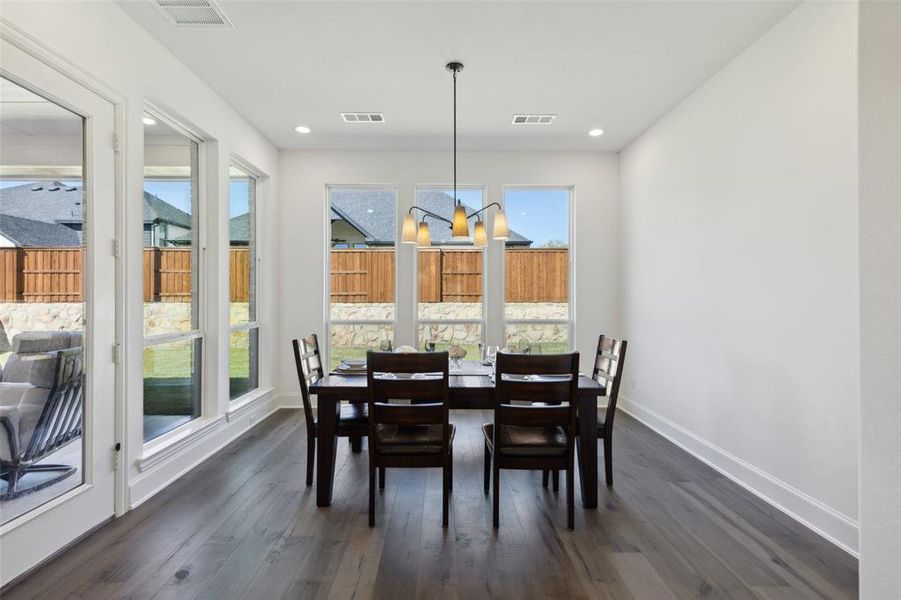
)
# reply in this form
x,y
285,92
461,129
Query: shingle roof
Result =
x,y
55,202
28,232
157,209
372,212
47,201
239,228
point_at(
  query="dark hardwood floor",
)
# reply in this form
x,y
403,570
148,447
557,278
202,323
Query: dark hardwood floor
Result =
x,y
243,525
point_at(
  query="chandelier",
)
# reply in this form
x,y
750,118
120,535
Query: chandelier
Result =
x,y
459,224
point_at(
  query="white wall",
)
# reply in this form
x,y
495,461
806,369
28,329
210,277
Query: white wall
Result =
x,y
739,287
305,175
880,296
99,40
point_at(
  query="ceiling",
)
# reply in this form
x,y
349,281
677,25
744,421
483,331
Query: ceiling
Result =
x,y
614,65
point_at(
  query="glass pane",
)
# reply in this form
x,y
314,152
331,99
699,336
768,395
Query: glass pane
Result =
x,y
41,302
352,341
242,246
450,272
244,364
171,386
169,229
536,261
538,338
441,336
362,239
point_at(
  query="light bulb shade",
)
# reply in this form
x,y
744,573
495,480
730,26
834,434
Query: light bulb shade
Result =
x,y
408,234
501,231
479,235
424,238
460,226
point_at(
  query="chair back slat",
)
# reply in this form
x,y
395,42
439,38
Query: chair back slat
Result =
x,y
308,362
550,378
60,419
608,371
421,378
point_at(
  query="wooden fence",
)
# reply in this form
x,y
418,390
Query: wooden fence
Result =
x,y
358,275
364,275
54,274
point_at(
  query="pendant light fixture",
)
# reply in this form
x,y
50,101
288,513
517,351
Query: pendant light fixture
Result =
x,y
459,224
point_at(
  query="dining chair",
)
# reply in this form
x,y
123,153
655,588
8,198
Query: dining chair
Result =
x,y
608,371
536,436
414,435
352,420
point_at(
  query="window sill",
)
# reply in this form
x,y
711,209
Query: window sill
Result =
x,y
166,446
247,402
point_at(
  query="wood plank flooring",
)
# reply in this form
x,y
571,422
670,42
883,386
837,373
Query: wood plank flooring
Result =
x,y
244,525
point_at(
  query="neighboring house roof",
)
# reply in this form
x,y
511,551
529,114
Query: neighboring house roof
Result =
x,y
55,202
47,201
372,213
158,210
28,232
238,231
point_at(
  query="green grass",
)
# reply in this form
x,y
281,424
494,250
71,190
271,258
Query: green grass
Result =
x,y
168,385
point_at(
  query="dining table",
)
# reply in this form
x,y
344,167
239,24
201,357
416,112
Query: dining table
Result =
x,y
471,386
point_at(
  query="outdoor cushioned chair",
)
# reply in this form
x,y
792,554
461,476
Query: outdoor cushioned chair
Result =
x,y
41,397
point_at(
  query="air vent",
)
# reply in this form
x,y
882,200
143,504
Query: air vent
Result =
x,y
193,13
363,117
533,119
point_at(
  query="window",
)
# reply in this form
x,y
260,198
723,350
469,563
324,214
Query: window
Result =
x,y
362,235
244,334
173,334
537,269
450,277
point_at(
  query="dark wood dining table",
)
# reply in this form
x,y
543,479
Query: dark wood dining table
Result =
x,y
471,387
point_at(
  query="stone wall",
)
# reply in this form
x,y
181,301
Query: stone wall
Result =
x,y
159,317
371,336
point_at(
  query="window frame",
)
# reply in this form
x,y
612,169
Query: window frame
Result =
x,y
326,348
571,261
483,322
199,265
255,176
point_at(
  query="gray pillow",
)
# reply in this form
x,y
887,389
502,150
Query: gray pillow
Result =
x,y
38,369
42,341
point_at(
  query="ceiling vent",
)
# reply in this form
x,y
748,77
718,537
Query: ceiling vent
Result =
x,y
193,13
533,119
363,117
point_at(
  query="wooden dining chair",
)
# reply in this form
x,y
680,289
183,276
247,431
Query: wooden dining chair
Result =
x,y
536,436
352,420
608,371
415,435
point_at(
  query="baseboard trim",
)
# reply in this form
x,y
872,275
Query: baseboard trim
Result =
x,y
837,528
138,487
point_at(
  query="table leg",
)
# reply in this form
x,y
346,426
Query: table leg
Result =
x,y
327,440
587,447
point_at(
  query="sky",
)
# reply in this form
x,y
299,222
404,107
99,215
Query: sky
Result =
x,y
541,215
178,194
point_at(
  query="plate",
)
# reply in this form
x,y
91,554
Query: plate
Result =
x,y
359,363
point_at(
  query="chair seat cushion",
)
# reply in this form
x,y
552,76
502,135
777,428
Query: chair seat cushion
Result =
x,y
410,439
527,441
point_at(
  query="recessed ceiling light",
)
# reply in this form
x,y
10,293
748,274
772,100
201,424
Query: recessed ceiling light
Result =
x,y
148,120
302,129
596,132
